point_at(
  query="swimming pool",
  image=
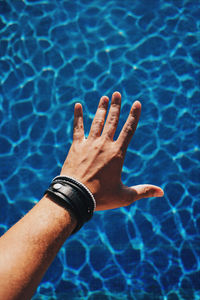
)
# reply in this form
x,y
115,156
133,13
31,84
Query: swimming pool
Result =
x,y
55,53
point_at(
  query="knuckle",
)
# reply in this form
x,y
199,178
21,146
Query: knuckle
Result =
x,y
145,191
97,125
113,121
103,106
118,153
133,122
99,122
78,126
105,141
128,129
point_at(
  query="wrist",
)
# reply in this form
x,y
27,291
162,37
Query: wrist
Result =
x,y
74,196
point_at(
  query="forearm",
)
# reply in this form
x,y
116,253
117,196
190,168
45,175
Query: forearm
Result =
x,y
29,247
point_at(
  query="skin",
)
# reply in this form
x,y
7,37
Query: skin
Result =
x,y
28,248
102,158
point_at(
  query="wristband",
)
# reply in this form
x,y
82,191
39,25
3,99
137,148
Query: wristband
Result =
x,y
79,184
75,196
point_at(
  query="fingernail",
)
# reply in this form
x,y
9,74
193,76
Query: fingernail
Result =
x,y
137,104
116,98
159,193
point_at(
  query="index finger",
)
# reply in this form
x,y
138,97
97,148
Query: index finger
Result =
x,y
130,126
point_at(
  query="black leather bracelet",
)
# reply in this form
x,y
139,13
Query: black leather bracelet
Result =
x,y
78,184
74,196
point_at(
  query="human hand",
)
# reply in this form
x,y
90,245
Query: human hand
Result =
x,y
98,160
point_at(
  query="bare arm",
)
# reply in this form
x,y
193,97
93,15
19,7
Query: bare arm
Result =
x,y
28,248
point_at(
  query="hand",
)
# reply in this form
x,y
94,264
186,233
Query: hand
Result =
x,y
97,161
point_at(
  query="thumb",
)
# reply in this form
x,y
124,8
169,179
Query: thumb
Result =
x,y
142,191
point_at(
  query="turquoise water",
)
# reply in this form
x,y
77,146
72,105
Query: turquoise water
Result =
x,y
55,53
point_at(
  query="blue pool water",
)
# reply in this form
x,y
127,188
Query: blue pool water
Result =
x,y
55,53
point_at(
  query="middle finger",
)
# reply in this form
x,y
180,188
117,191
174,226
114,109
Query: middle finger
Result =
x,y
113,116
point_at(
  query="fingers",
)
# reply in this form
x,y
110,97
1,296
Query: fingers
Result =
x,y
78,133
111,122
113,116
99,119
131,194
130,126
